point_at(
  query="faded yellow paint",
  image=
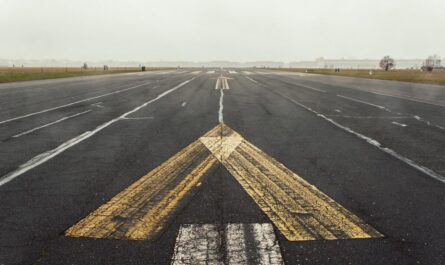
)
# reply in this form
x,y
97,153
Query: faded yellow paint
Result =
x,y
299,210
140,210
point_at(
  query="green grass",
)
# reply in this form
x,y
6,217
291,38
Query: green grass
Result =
x,y
416,76
9,74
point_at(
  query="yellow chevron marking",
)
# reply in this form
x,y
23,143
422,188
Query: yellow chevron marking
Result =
x,y
140,211
299,210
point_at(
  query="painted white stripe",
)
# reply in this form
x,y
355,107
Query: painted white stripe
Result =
x,y
232,72
226,84
44,157
266,244
251,79
312,88
73,103
399,124
138,118
247,72
217,83
210,72
236,244
373,142
370,117
49,124
183,104
361,101
211,244
221,106
198,244
196,72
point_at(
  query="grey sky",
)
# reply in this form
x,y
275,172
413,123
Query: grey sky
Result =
x,y
238,30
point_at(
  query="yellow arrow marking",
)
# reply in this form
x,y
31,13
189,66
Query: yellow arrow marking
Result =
x,y
299,210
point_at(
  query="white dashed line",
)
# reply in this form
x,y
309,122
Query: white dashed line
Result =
x,y
73,103
183,104
373,142
399,124
251,79
46,156
49,124
210,72
361,101
232,72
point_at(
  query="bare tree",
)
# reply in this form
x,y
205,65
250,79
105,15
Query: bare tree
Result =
x,y
85,66
432,62
387,63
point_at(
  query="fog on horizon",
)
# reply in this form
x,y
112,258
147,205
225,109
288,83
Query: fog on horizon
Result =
x,y
202,30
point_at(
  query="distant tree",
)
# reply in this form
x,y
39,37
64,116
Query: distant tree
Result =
x,y
432,62
387,63
85,66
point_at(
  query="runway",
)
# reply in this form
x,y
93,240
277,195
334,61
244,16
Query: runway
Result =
x,y
221,166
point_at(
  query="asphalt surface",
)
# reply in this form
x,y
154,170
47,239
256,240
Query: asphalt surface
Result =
x,y
68,146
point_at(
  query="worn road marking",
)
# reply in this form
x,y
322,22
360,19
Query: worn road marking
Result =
x,y
232,72
299,210
221,83
196,72
72,103
399,124
140,211
251,79
226,244
425,170
49,124
361,101
312,88
183,104
138,118
369,117
247,72
44,157
210,72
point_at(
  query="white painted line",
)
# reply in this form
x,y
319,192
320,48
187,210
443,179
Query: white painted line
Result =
x,y
210,72
312,88
198,244
247,72
266,244
337,110
226,84
232,72
183,104
369,117
44,157
73,103
251,79
399,124
415,99
236,244
138,118
196,72
49,124
373,142
221,106
217,83
361,101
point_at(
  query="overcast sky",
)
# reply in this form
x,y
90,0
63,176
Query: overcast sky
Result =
x,y
238,30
